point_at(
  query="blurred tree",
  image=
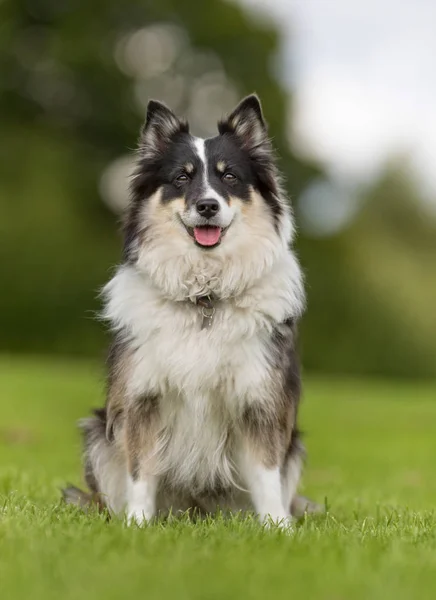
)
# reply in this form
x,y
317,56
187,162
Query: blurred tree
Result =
x,y
75,79
371,297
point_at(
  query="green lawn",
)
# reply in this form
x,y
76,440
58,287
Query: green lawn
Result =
x,y
372,456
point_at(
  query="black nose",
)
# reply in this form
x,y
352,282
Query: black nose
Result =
x,y
208,208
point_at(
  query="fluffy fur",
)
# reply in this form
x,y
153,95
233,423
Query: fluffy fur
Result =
x,y
202,418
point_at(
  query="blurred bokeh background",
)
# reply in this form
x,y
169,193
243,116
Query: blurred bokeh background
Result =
x,y
348,90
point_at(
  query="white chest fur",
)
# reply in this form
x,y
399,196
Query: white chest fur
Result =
x,y
203,377
173,353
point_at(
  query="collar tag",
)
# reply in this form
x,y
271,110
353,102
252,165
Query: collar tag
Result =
x,y
207,311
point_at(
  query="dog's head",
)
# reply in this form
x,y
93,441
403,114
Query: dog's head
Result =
x,y
201,203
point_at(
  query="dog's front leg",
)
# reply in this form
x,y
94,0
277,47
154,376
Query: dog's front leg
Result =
x,y
141,498
142,481
263,481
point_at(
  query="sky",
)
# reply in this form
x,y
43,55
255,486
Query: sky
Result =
x,y
364,81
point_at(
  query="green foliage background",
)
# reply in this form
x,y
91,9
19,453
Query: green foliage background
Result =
x,y
67,110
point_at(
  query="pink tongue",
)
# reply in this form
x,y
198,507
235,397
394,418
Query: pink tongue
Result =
x,y
207,236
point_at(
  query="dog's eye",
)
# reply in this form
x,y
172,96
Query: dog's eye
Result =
x,y
229,177
181,179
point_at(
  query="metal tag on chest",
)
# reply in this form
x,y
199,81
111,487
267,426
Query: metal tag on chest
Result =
x,y
207,311
207,314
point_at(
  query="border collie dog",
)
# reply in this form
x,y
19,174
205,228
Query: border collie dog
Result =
x,y
204,381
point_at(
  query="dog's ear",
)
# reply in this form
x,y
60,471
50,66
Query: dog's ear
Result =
x,y
160,126
247,123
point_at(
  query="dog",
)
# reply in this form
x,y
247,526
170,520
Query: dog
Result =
x,y
203,373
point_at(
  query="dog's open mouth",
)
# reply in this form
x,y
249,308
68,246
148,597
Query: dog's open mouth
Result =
x,y
207,236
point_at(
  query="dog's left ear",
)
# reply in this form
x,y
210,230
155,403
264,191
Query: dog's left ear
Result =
x,y
247,123
160,127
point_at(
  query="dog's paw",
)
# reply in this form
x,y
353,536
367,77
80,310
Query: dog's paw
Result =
x,y
301,506
138,517
285,524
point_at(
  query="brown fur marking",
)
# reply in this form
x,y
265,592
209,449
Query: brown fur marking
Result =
x,y
140,433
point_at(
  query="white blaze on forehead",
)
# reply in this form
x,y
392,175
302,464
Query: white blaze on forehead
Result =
x,y
209,192
200,147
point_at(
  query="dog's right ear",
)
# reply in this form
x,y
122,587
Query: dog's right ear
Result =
x,y
160,126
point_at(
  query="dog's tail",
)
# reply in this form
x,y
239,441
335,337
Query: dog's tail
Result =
x,y
85,500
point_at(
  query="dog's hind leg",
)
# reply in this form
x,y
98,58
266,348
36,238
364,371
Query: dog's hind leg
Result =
x,y
104,469
104,463
85,500
301,506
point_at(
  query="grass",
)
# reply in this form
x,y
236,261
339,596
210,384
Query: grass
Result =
x,y
372,455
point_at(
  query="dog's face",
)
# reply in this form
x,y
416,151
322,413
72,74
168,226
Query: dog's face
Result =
x,y
203,192
205,183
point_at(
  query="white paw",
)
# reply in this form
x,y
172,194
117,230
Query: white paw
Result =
x,y
138,517
283,523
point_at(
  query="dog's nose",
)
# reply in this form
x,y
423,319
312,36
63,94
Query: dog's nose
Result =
x,y
208,208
